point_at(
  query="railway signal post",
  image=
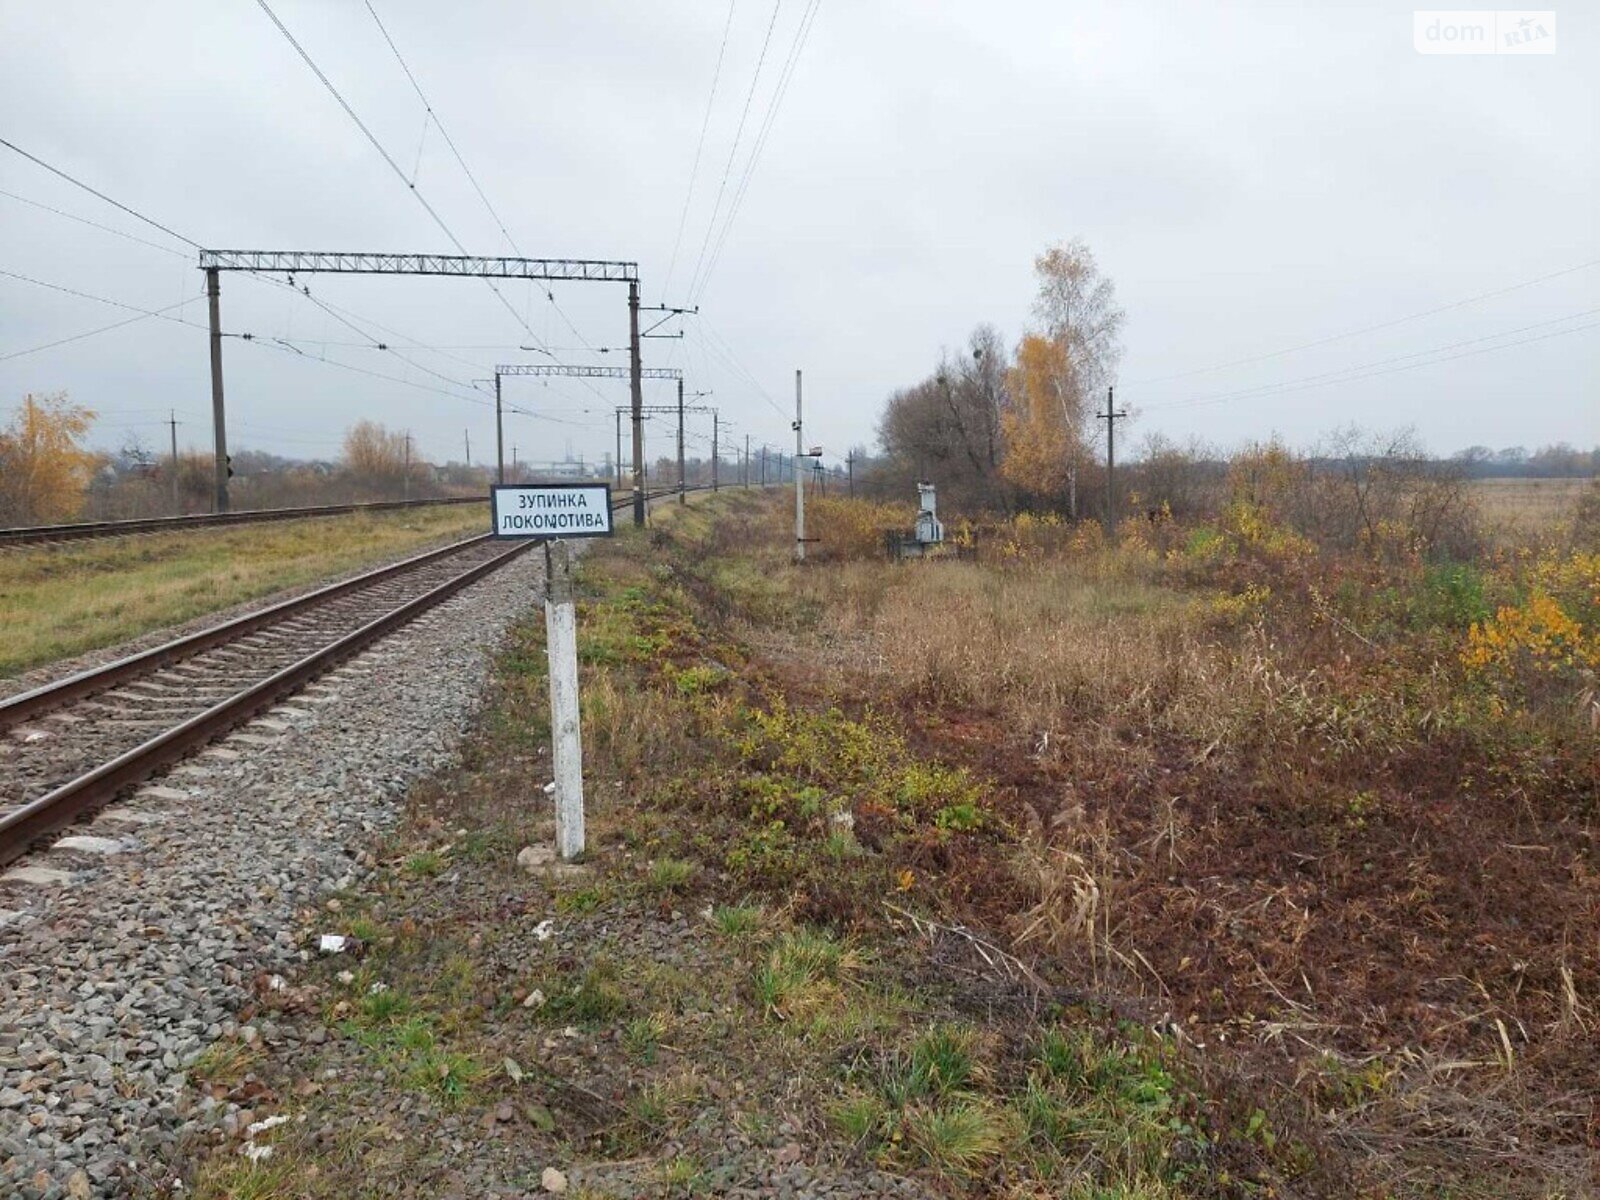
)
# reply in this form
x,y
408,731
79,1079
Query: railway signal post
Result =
x,y
799,484
556,515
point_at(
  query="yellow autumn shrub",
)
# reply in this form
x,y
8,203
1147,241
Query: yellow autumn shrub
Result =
x,y
847,528
1553,631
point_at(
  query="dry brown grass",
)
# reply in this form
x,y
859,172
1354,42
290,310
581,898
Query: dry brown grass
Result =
x,y
1039,642
1242,806
1515,508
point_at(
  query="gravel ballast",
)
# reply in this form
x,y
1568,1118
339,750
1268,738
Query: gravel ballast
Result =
x,y
179,915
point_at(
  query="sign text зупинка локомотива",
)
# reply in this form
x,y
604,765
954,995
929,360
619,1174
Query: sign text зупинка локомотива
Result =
x,y
557,510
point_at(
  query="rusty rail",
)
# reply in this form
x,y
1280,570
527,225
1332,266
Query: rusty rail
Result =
x,y
26,705
28,535
72,800
98,787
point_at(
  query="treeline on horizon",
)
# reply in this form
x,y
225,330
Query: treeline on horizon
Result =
x,y
1008,428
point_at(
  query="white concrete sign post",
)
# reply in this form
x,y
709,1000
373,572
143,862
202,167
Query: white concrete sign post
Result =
x,y
556,514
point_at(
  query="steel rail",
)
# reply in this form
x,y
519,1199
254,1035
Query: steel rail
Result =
x,y
65,804
98,787
25,535
25,705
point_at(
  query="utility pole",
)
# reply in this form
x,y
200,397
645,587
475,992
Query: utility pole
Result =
x,y
1111,416
466,435
637,383
799,480
746,476
683,495
716,425
177,504
219,422
499,434
619,449
763,466
405,480
516,470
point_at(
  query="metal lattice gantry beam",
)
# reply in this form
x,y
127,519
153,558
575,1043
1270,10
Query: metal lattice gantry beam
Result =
x,y
584,372
305,261
213,262
550,370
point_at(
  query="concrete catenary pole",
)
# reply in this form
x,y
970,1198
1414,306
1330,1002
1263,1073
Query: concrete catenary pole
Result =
x,y
499,434
637,381
683,492
177,502
219,423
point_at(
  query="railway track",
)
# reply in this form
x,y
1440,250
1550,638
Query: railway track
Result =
x,y
79,530
71,746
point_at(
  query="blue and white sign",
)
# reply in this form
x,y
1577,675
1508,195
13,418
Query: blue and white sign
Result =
x,y
567,510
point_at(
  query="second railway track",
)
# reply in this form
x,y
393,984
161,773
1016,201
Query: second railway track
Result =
x,y
70,746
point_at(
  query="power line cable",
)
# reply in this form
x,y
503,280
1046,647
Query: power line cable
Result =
x,y
448,140
387,157
1350,333
473,180
733,150
165,229
144,313
288,347
796,47
163,313
1359,371
78,337
705,124
101,195
720,346
374,344
95,225
148,312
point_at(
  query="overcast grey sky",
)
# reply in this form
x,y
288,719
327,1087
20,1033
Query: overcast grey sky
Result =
x,y
1254,177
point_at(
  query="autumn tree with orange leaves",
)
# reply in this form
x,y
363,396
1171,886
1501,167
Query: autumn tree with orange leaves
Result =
x,y
44,467
1042,425
991,429
1059,371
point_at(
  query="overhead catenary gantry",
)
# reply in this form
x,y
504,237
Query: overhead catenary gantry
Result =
x,y
460,265
637,372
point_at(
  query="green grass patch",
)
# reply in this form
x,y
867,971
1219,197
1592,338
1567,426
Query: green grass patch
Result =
x,y
58,601
735,920
425,864
593,999
669,875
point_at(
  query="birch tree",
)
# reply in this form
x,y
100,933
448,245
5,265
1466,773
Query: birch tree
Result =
x,y
44,466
